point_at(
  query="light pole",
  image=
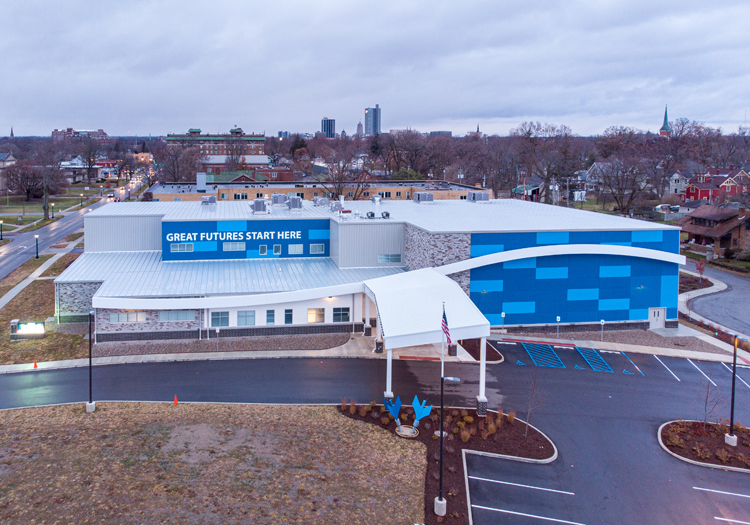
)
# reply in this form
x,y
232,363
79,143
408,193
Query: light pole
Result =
x,y
731,438
36,238
217,339
440,503
1,230
53,210
90,406
81,200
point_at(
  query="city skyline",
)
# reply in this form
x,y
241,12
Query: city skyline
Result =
x,y
445,68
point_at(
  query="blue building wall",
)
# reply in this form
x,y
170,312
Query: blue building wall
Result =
x,y
208,238
578,288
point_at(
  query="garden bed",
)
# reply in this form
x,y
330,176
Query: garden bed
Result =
x,y
704,443
689,283
477,434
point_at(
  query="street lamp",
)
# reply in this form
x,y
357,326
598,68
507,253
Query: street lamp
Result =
x,y
731,438
217,339
36,238
1,230
53,210
81,200
440,503
90,406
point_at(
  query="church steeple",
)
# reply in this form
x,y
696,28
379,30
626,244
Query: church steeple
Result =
x,y
11,132
666,129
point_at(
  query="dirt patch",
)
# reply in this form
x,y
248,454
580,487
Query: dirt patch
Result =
x,y
507,438
59,266
228,344
160,463
705,443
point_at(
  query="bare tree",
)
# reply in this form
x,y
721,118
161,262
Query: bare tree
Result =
x,y
48,157
536,399
24,178
341,180
89,150
710,400
624,179
179,162
236,149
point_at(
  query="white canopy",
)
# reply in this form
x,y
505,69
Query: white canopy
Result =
x,y
410,309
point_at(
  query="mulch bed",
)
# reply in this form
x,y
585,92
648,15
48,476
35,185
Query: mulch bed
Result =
x,y
508,439
705,443
719,334
472,347
688,283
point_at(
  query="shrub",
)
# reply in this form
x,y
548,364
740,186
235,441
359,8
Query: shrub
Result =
x,y
449,449
468,419
484,434
403,417
454,413
742,458
385,420
675,441
434,437
375,414
473,431
465,435
499,413
344,403
372,404
491,427
390,416
701,451
481,425
461,425
362,411
352,407
729,253
511,416
722,455
368,409
448,419
464,413
455,430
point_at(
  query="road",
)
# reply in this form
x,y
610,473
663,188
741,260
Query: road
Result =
x,y
23,246
731,307
610,466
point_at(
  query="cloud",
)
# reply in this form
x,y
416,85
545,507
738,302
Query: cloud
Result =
x,y
144,67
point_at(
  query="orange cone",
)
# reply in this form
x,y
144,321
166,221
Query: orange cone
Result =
x,y
34,363
175,399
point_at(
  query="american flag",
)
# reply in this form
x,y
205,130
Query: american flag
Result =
x,y
445,327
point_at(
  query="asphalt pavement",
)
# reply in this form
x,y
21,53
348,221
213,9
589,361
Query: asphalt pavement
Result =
x,y
604,423
731,307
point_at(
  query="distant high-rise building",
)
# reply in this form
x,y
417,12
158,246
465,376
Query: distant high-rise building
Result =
x,y
328,126
443,133
359,129
283,134
372,120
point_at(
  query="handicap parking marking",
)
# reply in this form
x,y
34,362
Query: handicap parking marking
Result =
x,y
631,362
701,371
668,369
594,360
543,355
738,377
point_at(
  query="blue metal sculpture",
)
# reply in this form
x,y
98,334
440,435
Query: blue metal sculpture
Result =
x,y
420,411
394,408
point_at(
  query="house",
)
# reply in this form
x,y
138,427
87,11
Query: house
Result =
x,y
6,160
717,184
678,183
722,227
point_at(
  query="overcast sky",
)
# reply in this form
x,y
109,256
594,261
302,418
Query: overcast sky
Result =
x,y
163,67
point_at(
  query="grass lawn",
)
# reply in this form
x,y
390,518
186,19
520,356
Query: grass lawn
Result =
x,y
35,303
161,463
4,241
21,273
691,255
59,266
40,224
73,236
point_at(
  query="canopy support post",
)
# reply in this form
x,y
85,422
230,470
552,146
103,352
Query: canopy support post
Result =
x,y
388,394
482,398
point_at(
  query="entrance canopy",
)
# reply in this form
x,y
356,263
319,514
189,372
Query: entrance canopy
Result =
x,y
410,309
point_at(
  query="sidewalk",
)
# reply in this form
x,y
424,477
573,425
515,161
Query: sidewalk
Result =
x,y
717,287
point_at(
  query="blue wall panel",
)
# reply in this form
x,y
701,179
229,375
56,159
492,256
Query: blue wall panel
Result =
x,y
578,288
208,237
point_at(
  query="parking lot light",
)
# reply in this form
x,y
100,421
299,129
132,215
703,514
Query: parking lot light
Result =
x,y
36,238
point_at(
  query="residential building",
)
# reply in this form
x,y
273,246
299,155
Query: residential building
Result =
x,y
718,185
6,160
372,120
715,229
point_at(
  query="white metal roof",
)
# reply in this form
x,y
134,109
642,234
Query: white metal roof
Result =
x,y
440,216
144,274
410,308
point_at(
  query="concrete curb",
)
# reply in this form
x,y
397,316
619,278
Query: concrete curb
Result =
x,y
693,462
502,456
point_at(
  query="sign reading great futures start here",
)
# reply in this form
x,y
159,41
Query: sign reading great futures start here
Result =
x,y
233,236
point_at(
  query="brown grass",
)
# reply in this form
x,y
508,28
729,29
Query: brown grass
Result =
x,y
35,303
23,271
159,463
73,236
59,266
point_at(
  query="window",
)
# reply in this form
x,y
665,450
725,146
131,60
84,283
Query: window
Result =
x,y
367,194
246,318
398,194
315,194
128,317
385,194
219,319
295,249
463,197
262,249
224,196
273,174
176,315
408,195
317,249
389,258
181,247
277,249
270,314
234,246
258,195
316,315
288,316
177,200
350,194
341,315
240,196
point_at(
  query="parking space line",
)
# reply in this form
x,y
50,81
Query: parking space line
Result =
x,y
665,366
722,492
528,515
732,521
631,362
523,486
738,377
701,371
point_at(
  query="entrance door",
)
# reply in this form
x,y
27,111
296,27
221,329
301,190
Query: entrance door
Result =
x,y
657,317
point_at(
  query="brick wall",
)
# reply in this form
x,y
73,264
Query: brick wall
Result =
x,y
152,323
74,298
425,250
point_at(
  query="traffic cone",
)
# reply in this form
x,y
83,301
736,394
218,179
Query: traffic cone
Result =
x,y
34,363
175,399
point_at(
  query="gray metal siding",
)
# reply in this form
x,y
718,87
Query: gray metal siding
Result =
x,y
122,234
360,243
334,244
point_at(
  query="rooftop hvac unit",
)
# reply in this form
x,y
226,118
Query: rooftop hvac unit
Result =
x,y
278,199
376,199
210,199
337,206
294,203
385,215
370,215
477,196
423,196
259,206
320,201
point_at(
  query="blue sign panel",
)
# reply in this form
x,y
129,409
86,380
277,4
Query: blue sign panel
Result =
x,y
253,239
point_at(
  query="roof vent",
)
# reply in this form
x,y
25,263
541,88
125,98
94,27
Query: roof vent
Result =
x,y
279,199
370,215
385,215
210,199
259,206
294,203
477,196
423,196
337,206
376,199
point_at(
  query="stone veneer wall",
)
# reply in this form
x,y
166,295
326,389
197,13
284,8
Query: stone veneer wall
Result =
x,y
425,250
152,323
74,299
